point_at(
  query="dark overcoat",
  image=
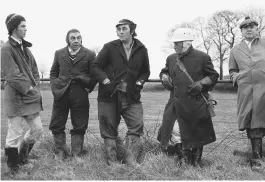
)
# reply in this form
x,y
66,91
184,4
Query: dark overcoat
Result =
x,y
195,123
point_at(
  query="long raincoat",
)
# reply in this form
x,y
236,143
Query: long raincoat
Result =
x,y
195,123
248,66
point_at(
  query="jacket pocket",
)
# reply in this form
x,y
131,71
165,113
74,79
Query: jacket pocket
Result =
x,y
32,96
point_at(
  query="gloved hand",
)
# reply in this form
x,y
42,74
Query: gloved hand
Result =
x,y
167,82
195,88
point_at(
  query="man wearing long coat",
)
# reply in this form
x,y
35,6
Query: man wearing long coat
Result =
x,y
187,104
247,71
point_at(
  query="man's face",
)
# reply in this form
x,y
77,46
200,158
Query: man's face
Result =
x,y
178,46
249,32
21,30
75,40
123,32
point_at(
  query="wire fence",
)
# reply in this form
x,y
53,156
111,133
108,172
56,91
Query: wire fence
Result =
x,y
149,80
226,138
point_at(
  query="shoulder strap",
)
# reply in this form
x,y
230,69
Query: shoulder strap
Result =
x,y
183,68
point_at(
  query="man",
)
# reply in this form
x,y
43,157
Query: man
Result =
x,y
70,84
22,98
187,101
246,68
121,67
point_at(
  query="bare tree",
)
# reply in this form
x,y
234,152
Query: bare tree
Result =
x,y
96,49
1,43
202,34
42,70
258,14
223,28
169,45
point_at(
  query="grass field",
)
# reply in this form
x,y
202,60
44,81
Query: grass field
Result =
x,y
220,161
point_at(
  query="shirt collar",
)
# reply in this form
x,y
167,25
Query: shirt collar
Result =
x,y
249,43
73,52
130,46
19,41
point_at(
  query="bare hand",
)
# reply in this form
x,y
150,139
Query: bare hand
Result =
x,y
106,81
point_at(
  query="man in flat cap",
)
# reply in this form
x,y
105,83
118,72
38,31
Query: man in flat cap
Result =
x,y
22,98
70,84
121,67
247,71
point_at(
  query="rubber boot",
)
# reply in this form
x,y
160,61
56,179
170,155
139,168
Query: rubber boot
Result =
x,y
196,156
256,154
77,142
61,150
173,150
24,152
179,151
110,151
132,147
12,159
187,157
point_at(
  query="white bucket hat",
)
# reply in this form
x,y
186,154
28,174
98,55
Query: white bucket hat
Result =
x,y
182,34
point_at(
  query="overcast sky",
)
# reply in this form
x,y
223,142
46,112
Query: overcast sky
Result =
x,y
48,21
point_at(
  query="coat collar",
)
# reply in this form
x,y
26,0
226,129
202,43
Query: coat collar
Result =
x,y
15,43
137,44
80,55
244,47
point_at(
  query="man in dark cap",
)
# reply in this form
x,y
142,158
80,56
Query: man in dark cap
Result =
x,y
247,68
71,83
22,98
122,67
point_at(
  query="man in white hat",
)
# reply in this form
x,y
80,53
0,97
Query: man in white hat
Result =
x,y
247,71
189,74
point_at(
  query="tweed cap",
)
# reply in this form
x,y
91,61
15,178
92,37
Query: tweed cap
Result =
x,y
248,21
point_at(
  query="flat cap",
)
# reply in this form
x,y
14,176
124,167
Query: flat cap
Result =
x,y
125,22
248,21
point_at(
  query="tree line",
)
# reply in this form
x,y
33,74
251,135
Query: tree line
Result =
x,y
219,33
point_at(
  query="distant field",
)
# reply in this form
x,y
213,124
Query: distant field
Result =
x,y
220,163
